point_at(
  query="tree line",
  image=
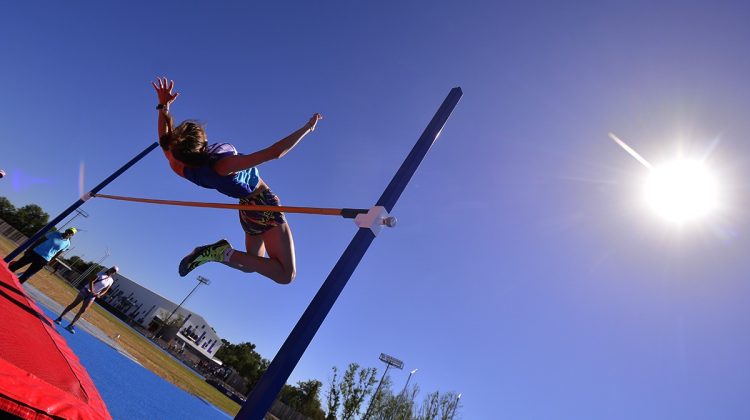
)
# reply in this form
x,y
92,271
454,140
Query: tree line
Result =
x,y
349,393
27,219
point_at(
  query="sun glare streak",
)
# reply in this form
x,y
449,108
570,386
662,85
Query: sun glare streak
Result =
x,y
630,151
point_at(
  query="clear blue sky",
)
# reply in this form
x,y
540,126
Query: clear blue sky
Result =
x,y
524,273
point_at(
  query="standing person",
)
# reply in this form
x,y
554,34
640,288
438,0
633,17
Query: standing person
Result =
x,y
97,287
43,253
220,167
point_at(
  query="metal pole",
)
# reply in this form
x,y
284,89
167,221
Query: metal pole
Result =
x,y
407,381
455,408
270,384
377,390
77,204
91,268
65,253
201,280
83,275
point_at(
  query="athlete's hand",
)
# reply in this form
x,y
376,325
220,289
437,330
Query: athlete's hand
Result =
x,y
314,121
164,90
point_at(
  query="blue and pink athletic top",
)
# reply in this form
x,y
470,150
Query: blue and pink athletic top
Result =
x,y
238,185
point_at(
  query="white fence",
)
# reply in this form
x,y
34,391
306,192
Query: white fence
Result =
x,y
11,233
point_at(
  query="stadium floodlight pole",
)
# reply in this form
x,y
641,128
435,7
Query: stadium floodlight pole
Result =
x,y
268,387
455,407
407,381
78,203
389,361
201,280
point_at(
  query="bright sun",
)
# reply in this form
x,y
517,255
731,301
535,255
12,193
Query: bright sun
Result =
x,y
682,191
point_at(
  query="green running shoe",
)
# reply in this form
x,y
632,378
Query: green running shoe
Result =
x,y
70,329
202,255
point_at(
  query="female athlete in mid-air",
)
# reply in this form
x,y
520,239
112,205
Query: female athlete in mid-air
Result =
x,y
219,166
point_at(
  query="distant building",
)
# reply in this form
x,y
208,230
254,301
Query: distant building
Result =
x,y
137,304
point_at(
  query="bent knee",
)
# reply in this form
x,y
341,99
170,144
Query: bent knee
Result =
x,y
287,277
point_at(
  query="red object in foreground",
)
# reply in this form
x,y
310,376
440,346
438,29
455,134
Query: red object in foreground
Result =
x,y
40,377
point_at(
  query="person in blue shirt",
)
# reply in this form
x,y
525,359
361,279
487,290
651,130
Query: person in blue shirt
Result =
x,y
43,253
220,167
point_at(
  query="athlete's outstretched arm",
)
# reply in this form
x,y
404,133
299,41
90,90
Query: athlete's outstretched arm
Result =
x,y
277,150
166,97
165,122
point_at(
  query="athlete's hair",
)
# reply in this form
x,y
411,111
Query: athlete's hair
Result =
x,y
188,143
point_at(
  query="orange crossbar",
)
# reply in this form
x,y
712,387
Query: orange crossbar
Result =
x,y
287,209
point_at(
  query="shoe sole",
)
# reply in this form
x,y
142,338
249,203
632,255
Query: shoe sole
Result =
x,y
184,268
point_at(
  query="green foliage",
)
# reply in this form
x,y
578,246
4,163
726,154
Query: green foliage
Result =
x,y
244,359
437,406
333,397
27,219
385,406
176,321
304,398
7,210
76,263
351,390
356,384
30,219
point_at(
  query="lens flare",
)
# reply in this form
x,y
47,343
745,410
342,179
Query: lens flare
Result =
x,y
81,173
682,191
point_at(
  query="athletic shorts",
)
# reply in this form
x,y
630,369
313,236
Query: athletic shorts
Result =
x,y
259,222
86,294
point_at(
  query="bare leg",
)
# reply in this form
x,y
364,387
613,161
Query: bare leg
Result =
x,y
255,247
76,301
280,266
81,311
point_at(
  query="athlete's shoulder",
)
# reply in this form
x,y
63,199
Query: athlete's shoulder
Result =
x,y
220,150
